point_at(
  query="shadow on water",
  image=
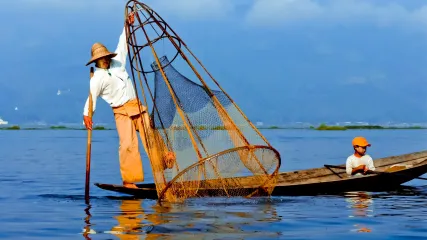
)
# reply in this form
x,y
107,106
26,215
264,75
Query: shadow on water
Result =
x,y
130,222
207,218
126,217
82,197
399,191
402,191
361,205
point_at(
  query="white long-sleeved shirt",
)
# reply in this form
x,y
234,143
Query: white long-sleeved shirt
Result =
x,y
114,84
353,162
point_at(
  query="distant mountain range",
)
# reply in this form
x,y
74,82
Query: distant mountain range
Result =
x,y
307,102
290,110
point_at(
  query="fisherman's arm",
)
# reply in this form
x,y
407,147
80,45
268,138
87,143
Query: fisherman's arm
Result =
x,y
122,47
348,167
95,90
121,51
371,164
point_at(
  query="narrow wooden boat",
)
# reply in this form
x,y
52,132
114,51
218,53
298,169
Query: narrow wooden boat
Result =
x,y
390,173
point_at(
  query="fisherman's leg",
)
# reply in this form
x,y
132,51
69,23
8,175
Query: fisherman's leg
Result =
x,y
147,138
143,132
158,152
130,158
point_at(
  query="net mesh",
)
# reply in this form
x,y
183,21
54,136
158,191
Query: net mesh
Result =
x,y
198,141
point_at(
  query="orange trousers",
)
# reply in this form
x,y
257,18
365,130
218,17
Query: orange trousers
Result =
x,y
128,121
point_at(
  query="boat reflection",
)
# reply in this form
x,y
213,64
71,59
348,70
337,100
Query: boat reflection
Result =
x,y
135,223
361,204
132,221
220,218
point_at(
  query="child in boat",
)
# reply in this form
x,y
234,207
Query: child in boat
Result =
x,y
359,162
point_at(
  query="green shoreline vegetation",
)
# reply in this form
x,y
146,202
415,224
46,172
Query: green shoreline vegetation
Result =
x,y
16,127
321,127
324,127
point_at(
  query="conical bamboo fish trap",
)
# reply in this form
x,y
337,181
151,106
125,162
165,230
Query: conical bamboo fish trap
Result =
x,y
200,143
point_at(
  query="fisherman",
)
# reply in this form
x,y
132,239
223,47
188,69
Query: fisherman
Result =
x,y
112,82
359,163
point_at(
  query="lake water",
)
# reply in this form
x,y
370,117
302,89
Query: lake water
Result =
x,y
42,177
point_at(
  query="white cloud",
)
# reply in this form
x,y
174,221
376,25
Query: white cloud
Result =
x,y
186,9
356,80
261,12
282,12
193,9
273,11
375,77
324,49
92,5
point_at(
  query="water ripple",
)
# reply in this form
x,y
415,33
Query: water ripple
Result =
x,y
43,194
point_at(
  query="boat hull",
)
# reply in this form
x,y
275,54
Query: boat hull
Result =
x,y
321,181
369,183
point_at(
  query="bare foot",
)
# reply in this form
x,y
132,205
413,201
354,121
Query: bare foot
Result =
x,y
129,185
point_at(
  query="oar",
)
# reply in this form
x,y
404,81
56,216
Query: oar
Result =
x,y
330,166
333,166
370,171
89,144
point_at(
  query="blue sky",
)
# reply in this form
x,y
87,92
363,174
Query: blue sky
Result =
x,y
280,60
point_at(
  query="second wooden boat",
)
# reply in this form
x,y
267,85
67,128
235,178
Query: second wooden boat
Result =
x,y
391,172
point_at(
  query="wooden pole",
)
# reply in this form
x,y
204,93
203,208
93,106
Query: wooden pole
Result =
x,y
89,144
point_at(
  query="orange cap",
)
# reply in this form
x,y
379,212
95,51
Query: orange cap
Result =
x,y
361,141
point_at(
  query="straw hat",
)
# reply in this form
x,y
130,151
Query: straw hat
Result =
x,y
99,51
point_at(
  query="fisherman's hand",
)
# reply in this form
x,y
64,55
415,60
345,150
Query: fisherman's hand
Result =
x,y
359,169
365,169
88,122
131,18
362,167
